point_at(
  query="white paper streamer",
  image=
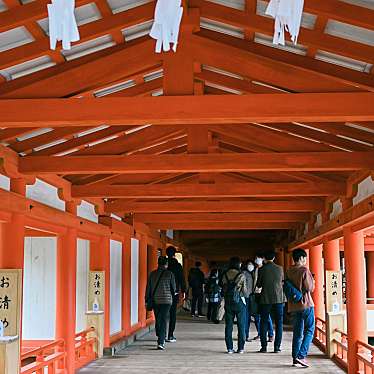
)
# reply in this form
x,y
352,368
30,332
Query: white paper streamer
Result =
x,y
287,14
62,24
165,29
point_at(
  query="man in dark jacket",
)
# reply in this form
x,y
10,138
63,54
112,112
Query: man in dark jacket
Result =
x,y
176,268
303,311
159,294
271,300
196,280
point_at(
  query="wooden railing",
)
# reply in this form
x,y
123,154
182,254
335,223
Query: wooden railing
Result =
x,y
85,347
49,359
365,357
341,348
320,334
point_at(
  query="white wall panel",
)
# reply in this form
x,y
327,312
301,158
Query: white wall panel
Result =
x,y
115,287
39,298
87,210
134,281
83,267
45,194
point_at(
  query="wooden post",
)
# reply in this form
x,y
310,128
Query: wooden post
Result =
x,y
9,355
331,254
100,261
66,294
96,320
370,275
356,298
316,268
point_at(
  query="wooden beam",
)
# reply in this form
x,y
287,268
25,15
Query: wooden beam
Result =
x,y
206,190
277,67
223,226
266,108
87,32
213,206
198,163
265,26
221,217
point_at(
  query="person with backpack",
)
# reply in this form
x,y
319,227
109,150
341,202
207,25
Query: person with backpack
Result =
x,y
176,268
271,300
196,280
298,287
234,290
159,295
213,292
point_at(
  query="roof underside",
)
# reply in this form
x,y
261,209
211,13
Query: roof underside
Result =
x,y
232,53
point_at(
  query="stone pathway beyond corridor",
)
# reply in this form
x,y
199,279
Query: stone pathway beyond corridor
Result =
x,y
201,349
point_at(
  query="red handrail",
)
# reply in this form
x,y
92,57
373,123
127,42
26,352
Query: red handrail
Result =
x,y
341,348
365,357
51,356
320,334
85,347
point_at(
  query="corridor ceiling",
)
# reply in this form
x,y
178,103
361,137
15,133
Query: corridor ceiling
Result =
x,y
229,46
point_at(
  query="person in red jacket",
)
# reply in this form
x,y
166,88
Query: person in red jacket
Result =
x,y
303,311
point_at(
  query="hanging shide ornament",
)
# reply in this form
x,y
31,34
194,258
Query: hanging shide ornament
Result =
x,y
165,29
287,15
62,24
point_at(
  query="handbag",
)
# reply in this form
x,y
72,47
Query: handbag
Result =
x,y
150,303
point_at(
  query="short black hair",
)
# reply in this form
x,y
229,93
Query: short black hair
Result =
x,y
298,253
270,255
162,261
234,263
171,251
197,264
260,255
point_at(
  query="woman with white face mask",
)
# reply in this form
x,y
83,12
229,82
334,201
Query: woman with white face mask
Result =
x,y
247,269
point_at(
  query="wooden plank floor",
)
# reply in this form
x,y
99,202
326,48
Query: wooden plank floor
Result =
x,y
201,349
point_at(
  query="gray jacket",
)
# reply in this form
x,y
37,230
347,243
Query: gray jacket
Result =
x,y
249,282
270,279
166,287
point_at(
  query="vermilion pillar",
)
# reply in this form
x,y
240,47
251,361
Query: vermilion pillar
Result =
x,y
316,267
355,292
66,294
370,275
142,279
126,285
100,261
331,254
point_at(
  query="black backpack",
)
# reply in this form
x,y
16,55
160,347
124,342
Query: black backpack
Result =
x,y
232,295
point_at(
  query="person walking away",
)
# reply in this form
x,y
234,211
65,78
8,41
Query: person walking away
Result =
x,y
247,270
234,290
159,295
271,300
213,291
303,311
259,261
176,268
196,280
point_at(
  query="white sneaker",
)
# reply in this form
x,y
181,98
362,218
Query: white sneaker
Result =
x,y
160,347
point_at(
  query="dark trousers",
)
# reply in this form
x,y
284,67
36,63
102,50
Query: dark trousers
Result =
x,y
276,311
257,324
173,316
212,314
303,332
232,311
197,299
161,314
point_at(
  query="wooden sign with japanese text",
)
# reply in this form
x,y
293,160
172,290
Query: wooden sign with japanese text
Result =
x,y
10,300
334,294
96,289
